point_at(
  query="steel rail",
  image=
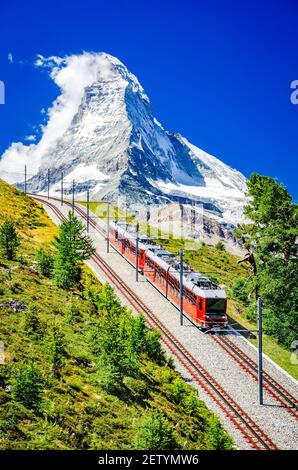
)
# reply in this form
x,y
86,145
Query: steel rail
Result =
x,y
277,391
254,435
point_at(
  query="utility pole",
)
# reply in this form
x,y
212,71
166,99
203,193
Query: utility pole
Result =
x,y
25,186
181,287
147,223
137,253
48,183
88,211
260,349
108,228
73,191
62,188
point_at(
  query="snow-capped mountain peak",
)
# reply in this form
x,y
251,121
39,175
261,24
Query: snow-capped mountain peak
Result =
x,y
116,147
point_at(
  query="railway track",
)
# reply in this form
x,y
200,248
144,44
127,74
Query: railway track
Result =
x,y
251,432
277,391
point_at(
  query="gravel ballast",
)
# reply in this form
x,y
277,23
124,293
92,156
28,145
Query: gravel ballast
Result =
x,y
272,418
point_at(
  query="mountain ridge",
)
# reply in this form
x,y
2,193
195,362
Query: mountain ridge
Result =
x,y
120,151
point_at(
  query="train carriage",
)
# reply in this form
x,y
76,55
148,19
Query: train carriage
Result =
x,y
203,301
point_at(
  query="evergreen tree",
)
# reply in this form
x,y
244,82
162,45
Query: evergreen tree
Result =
x,y
56,350
32,326
45,263
270,240
73,247
9,240
27,387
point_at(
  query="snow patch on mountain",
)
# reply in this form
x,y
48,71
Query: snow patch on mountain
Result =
x,y
101,132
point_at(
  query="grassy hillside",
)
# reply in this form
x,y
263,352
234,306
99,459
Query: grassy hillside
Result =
x,y
221,266
53,326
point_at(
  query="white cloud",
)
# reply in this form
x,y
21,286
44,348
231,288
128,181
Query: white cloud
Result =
x,y
71,74
30,138
10,57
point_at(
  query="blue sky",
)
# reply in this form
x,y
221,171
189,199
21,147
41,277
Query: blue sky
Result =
x,y
218,72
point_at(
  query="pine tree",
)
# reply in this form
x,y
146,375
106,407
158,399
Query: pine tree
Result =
x,y
56,350
270,240
32,325
73,247
9,240
27,387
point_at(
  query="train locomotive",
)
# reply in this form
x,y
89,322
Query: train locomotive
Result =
x,y
203,301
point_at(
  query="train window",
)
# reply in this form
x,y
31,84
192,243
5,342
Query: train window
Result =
x,y
215,306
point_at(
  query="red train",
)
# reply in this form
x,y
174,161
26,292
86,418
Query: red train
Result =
x,y
203,301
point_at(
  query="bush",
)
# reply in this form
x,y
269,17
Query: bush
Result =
x,y
45,263
184,395
32,327
190,402
153,347
56,350
137,388
27,387
71,312
217,438
154,433
168,375
178,390
220,246
109,377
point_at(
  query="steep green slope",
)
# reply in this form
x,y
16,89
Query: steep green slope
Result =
x,y
51,393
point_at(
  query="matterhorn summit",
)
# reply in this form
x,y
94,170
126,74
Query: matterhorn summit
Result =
x,y
116,147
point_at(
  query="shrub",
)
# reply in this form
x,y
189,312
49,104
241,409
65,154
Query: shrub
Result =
x,y
45,263
154,433
137,388
32,327
71,312
178,390
220,246
217,438
153,347
168,375
109,377
190,402
27,387
56,350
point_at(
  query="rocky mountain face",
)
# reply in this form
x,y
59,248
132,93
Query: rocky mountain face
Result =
x,y
116,148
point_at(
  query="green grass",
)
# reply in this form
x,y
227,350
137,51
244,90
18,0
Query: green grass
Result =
x,y
76,413
222,266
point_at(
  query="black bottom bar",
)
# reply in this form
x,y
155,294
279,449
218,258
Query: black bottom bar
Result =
x,y
133,459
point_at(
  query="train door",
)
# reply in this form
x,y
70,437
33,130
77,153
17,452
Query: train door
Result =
x,y
200,309
141,259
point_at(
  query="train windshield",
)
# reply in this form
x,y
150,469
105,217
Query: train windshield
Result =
x,y
215,306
